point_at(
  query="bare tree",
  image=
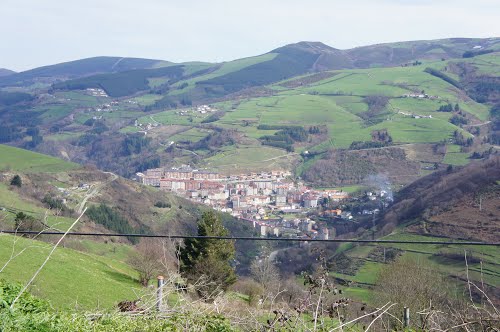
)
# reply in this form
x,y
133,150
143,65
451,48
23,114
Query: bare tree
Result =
x,y
266,274
149,260
411,283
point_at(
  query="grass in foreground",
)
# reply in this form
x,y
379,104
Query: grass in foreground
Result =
x,y
70,279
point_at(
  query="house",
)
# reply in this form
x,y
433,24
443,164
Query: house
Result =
x,y
280,200
262,229
151,181
310,201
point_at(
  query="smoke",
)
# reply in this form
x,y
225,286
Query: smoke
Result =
x,y
381,183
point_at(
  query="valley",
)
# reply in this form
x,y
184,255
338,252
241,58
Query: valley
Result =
x,y
395,141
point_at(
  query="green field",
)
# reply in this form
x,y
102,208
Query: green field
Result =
x,y
192,135
455,157
11,200
366,276
147,99
70,279
248,158
27,161
225,68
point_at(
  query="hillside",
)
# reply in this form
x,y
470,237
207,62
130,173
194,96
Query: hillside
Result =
x,y
308,57
79,68
53,193
67,277
434,110
460,203
394,54
6,72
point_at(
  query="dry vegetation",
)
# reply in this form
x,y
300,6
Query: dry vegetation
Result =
x,y
447,202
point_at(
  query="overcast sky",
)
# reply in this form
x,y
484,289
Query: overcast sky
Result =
x,y
41,32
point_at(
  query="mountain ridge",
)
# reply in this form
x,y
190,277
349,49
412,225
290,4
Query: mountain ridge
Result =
x,y
382,54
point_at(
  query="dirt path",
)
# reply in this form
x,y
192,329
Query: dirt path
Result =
x,y
278,157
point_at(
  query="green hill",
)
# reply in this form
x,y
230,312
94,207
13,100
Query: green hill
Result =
x,y
123,83
79,68
306,57
394,54
343,104
51,195
14,159
71,279
444,205
307,84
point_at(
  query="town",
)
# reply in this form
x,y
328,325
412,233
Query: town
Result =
x,y
273,202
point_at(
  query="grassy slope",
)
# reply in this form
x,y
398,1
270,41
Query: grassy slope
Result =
x,y
337,102
70,278
366,276
30,162
69,275
225,68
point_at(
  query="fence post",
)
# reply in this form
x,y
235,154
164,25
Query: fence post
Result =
x,y
159,293
406,317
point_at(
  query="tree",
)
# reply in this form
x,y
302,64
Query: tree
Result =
x,y
411,283
266,274
205,262
25,222
148,260
16,181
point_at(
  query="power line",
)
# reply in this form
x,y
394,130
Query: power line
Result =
x,y
250,238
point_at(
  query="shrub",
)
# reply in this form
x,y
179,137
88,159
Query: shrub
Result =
x,y
16,181
162,205
25,222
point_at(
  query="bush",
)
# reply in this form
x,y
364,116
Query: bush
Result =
x,y
214,117
251,288
443,76
33,314
25,222
54,203
163,205
16,181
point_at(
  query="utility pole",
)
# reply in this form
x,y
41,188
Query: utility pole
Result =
x,y
406,317
159,293
373,227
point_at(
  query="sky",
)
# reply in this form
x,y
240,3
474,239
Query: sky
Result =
x,y
43,32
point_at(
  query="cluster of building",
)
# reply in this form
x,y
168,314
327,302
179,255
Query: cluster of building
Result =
x,y
108,107
145,126
201,109
255,197
96,92
291,228
416,116
420,96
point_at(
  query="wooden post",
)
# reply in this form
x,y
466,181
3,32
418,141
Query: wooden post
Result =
x,y
159,293
406,317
